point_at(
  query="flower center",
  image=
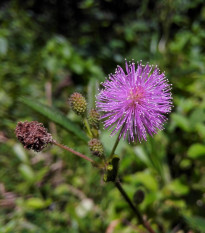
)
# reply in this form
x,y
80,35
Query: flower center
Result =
x,y
135,95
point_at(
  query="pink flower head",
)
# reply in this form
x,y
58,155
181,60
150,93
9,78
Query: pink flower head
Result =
x,y
135,102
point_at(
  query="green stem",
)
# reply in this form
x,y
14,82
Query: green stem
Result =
x,y
116,143
87,127
133,207
114,147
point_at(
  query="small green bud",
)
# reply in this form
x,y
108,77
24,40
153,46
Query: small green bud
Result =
x,y
105,178
78,103
96,147
94,118
112,169
139,197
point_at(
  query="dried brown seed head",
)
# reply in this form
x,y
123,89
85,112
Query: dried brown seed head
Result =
x,y
33,135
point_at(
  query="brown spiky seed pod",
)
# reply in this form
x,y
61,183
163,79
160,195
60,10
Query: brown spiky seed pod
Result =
x,y
96,147
33,135
78,103
94,118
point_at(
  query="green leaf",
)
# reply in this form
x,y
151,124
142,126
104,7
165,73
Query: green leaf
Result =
x,y
178,188
56,116
197,116
20,153
61,189
26,172
196,222
41,173
196,151
181,121
200,128
37,203
143,178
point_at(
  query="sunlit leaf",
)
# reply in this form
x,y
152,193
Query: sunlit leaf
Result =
x,y
177,187
37,203
143,178
196,151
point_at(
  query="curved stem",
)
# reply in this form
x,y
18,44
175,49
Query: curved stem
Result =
x,y
73,151
133,207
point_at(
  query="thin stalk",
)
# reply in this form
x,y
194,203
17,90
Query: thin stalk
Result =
x,y
73,151
114,147
87,127
133,207
116,143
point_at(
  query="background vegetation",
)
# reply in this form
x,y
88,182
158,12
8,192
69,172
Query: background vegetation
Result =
x,y
49,49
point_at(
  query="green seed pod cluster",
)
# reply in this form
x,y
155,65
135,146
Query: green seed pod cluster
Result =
x,y
94,118
78,103
96,147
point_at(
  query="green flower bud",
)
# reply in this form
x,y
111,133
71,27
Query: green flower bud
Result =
x,y
94,118
78,103
96,147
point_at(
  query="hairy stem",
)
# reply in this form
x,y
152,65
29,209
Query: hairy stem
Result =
x,y
133,207
73,151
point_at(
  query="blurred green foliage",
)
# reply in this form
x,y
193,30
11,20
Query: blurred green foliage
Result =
x,y
49,49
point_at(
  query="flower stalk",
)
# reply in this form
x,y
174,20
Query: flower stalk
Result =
x,y
87,126
114,147
132,206
116,143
